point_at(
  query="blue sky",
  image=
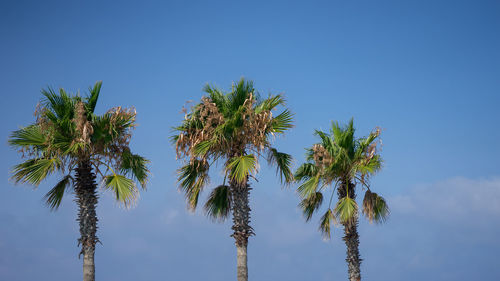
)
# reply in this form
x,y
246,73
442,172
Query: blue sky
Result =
x,y
425,71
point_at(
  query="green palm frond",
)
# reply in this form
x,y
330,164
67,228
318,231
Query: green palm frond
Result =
x,y
93,96
282,122
135,165
270,103
306,171
311,204
346,210
28,136
33,171
60,106
218,204
203,147
375,208
192,178
241,167
123,188
368,165
54,197
325,224
283,164
308,187
240,92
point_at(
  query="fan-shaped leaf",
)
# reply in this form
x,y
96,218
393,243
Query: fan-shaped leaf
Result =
x,y
242,166
218,204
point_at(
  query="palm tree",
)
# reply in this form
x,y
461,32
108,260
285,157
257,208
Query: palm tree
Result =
x,y
341,162
233,128
68,137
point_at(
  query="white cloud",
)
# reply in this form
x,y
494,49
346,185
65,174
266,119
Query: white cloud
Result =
x,y
454,200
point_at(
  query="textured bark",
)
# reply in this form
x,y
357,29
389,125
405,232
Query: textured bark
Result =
x,y
241,266
351,237
241,225
86,199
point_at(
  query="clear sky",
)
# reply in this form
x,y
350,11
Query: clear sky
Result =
x,y
428,72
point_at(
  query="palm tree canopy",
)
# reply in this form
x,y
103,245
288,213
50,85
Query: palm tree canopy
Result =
x,y
236,128
340,161
67,132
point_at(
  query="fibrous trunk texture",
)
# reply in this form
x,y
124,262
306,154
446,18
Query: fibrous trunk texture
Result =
x,y
351,237
241,225
86,199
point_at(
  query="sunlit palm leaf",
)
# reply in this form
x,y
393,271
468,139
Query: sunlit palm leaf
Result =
x,y
306,171
33,171
346,210
240,167
123,188
27,136
308,187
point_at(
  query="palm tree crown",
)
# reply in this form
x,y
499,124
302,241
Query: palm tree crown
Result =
x,y
341,161
67,132
235,128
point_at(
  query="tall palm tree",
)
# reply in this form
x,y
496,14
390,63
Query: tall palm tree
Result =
x,y
340,162
233,128
69,138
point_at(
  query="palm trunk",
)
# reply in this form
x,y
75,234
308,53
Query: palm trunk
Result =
x,y
351,237
86,199
241,225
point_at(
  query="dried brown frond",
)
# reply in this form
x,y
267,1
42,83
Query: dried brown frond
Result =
x,y
322,157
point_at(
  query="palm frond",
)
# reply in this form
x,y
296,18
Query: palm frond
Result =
x,y
218,205
308,187
282,122
375,208
33,171
306,171
54,197
136,166
346,210
203,147
27,136
325,224
283,164
241,166
93,96
270,103
311,204
123,188
192,178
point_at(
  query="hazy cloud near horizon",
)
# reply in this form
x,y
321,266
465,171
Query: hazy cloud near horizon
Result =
x,y
456,221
